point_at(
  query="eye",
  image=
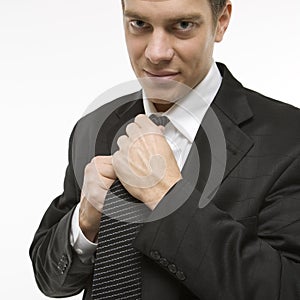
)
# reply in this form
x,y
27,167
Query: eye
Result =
x,y
138,24
184,26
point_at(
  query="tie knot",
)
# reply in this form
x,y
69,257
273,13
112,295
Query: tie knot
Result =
x,y
162,120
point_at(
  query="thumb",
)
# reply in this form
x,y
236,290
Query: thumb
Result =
x,y
162,129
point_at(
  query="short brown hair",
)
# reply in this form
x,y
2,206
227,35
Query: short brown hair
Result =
x,y
216,7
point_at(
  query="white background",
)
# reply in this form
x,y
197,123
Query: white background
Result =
x,y
57,56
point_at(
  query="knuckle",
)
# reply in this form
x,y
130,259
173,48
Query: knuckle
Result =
x,y
94,161
130,127
121,139
88,168
115,158
116,155
97,159
139,117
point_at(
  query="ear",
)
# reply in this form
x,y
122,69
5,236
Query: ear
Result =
x,y
223,21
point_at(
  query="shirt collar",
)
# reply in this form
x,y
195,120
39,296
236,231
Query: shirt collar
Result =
x,y
188,112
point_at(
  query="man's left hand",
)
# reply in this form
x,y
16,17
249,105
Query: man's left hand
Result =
x,y
145,163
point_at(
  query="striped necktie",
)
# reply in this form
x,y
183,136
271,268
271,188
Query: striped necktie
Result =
x,y
117,268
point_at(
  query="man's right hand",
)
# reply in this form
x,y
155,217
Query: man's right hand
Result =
x,y
99,175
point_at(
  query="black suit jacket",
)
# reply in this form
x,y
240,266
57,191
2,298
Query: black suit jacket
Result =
x,y
245,244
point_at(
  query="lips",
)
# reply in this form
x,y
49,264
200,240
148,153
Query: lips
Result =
x,y
163,74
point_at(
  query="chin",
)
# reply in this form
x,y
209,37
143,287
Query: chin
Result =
x,y
165,94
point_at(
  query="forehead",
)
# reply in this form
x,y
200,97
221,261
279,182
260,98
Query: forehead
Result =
x,y
167,9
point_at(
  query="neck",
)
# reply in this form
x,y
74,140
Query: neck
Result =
x,y
162,107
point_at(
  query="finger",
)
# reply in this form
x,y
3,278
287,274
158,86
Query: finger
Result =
x,y
92,175
142,121
162,129
146,124
115,158
120,162
122,142
133,131
102,159
103,166
107,171
89,169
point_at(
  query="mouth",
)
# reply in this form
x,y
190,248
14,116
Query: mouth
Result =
x,y
161,75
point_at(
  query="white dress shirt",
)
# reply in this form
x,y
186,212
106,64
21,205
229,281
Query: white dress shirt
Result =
x,y
185,118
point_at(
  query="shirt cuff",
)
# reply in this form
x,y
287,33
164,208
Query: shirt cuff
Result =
x,y
82,246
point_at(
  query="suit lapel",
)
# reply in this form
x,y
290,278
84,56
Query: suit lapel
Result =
x,y
237,142
232,110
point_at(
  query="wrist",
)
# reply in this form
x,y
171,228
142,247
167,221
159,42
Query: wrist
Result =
x,y
90,232
88,226
152,197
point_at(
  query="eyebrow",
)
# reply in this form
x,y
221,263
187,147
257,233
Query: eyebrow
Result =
x,y
189,17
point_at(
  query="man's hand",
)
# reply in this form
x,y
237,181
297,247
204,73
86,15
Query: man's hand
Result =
x,y
145,163
99,175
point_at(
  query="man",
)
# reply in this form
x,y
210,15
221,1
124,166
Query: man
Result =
x,y
245,242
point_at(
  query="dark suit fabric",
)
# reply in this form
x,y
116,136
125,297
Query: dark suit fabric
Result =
x,y
245,244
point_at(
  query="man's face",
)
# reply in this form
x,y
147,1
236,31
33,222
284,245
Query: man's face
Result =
x,y
171,40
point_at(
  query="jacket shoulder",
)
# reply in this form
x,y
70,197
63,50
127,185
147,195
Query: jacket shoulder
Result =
x,y
275,115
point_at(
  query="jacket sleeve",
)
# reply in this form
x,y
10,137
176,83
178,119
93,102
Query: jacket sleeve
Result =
x,y
58,270
217,257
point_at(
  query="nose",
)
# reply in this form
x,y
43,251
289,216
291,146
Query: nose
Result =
x,y
159,47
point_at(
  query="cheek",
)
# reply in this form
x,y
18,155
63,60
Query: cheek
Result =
x,y
190,55
197,52
135,47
